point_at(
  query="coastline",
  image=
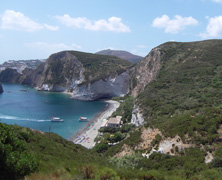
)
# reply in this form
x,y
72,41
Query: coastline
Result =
x,y
86,136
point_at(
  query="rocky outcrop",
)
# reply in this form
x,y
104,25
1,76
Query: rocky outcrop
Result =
x,y
33,77
10,76
86,76
67,72
28,76
170,146
145,71
113,86
1,89
60,72
137,118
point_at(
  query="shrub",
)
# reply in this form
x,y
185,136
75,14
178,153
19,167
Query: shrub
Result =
x,y
102,147
15,162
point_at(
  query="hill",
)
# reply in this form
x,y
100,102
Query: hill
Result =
x,y
177,90
29,154
121,54
87,76
24,151
188,81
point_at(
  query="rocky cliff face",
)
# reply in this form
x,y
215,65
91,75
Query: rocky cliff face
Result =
x,y
145,71
86,76
1,89
114,86
137,117
65,72
60,72
10,76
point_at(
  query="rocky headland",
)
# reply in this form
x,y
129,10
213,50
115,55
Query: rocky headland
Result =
x,y
85,76
1,89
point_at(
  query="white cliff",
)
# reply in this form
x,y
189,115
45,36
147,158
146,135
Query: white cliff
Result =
x,y
137,118
113,86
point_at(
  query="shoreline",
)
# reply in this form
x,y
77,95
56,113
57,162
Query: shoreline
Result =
x,y
89,132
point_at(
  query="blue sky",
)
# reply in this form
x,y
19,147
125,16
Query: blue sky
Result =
x,y
35,29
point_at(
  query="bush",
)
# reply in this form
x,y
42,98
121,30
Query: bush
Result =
x,y
101,148
15,162
125,109
117,137
127,128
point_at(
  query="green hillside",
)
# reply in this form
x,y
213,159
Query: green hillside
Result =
x,y
185,99
45,156
100,66
186,96
36,155
32,155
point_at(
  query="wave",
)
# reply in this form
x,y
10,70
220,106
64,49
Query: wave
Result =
x,y
21,119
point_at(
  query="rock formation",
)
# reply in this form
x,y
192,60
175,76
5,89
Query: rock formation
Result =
x,y
137,117
117,85
1,89
145,71
10,76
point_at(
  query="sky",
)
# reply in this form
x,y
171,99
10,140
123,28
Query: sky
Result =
x,y
35,29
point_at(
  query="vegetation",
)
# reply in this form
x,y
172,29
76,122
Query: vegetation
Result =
x,y
52,157
62,66
24,151
100,66
125,109
186,98
15,162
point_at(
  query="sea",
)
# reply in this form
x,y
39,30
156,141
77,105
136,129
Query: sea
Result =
x,y
24,106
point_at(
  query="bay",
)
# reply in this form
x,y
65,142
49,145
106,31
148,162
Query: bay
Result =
x,y
27,107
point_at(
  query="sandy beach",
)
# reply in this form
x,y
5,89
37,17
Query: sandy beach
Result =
x,y
89,133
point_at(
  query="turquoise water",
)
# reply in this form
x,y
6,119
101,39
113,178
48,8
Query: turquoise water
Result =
x,y
34,109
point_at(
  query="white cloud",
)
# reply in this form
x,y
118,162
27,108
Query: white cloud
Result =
x,y
214,28
112,24
174,25
217,1
51,28
53,47
18,21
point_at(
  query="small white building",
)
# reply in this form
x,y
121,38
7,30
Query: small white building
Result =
x,y
114,122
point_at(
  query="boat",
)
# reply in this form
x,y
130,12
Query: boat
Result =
x,y
56,119
83,119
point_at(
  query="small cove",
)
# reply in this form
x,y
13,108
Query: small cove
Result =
x,y
27,107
